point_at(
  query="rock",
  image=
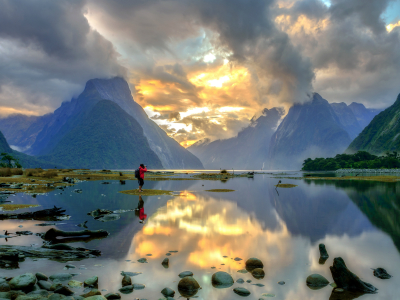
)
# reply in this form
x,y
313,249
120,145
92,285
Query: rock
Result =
x,y
75,284
4,287
248,281
221,280
99,212
323,254
316,281
93,292
240,280
165,262
130,273
112,296
126,289
167,292
168,254
381,273
56,297
138,286
188,286
63,290
281,282
61,276
237,259
186,273
108,218
97,297
69,266
24,232
54,286
42,293
338,290
243,271
253,263
23,282
43,284
142,260
126,280
258,284
258,273
92,281
241,291
41,276
31,297
346,280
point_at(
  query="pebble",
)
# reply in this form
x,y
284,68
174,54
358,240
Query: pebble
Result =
x,y
142,260
185,274
240,280
281,282
241,291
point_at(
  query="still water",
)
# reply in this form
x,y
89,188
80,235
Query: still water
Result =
x,y
358,221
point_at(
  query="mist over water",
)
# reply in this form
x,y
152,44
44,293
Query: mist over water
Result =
x,y
283,227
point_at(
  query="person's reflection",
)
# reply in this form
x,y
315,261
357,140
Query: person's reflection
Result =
x,y
140,210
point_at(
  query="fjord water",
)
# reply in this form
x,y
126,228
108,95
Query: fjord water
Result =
x,y
356,220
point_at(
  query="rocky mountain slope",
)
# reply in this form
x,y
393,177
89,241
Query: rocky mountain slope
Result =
x,y
247,151
382,134
363,115
311,130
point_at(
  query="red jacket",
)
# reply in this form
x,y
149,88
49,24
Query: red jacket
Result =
x,y
141,171
142,215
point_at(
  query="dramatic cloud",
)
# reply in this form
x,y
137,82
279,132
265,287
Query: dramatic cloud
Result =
x,y
200,68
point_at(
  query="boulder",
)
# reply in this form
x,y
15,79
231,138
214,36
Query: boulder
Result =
x,y
381,273
188,286
323,254
56,297
186,273
14,294
97,297
138,286
347,280
42,293
241,291
41,276
113,296
93,292
61,276
75,283
126,289
126,280
54,286
31,297
253,263
63,290
92,281
23,282
167,292
165,262
4,287
258,273
221,280
316,281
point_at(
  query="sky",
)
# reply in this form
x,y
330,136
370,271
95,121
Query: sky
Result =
x,y
200,68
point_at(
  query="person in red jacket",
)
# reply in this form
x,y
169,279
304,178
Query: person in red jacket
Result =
x,y
142,169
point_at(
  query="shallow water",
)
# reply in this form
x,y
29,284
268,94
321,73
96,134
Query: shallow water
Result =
x,y
358,221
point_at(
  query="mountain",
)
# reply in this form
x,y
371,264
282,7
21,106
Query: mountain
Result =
x,y
311,130
4,146
247,151
363,115
347,119
105,137
21,130
382,134
64,119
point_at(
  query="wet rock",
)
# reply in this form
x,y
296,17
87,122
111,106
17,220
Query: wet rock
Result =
x,y
108,218
167,292
281,282
4,287
23,282
347,280
41,276
14,294
43,284
69,266
91,293
126,280
248,281
99,212
240,280
185,273
54,286
165,262
97,297
113,296
31,297
237,259
323,254
258,273
61,247
42,293
56,297
142,260
188,286
126,289
61,276
130,273
241,291
24,232
221,280
253,263
167,254
138,286
92,281
258,284
381,273
63,290
316,281
75,284
243,271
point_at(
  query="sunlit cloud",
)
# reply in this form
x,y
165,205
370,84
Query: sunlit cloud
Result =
x,y
390,27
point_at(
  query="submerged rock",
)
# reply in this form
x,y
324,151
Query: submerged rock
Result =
x,y
185,273
113,296
240,280
167,292
188,286
241,291
108,218
126,289
258,273
253,263
281,282
61,276
23,282
138,286
126,280
347,280
142,260
316,281
221,280
381,273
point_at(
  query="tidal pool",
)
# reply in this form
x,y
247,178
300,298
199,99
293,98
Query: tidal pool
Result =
x,y
356,220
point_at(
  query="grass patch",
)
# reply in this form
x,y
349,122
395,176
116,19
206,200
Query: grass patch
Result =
x,y
286,185
12,207
147,192
220,190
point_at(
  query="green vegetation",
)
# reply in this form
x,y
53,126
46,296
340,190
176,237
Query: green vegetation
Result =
x,y
286,185
12,207
9,161
220,190
359,160
147,192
